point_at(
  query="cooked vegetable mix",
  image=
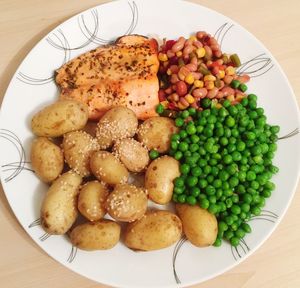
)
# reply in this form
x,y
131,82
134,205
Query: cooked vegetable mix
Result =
x,y
226,163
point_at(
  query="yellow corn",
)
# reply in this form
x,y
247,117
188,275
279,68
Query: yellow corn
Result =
x,y
239,97
230,70
193,38
169,72
164,103
189,98
230,97
162,57
221,74
200,52
189,79
218,105
181,106
179,53
198,84
209,78
209,85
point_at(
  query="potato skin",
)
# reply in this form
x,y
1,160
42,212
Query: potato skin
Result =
x,y
100,235
132,154
78,147
47,159
159,179
155,133
59,208
126,203
107,168
59,118
155,230
199,226
117,123
91,200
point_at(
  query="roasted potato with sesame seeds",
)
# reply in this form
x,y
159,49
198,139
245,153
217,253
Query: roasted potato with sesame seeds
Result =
x,y
59,208
107,168
132,154
91,200
59,118
155,133
126,203
47,159
78,147
159,179
157,229
101,235
117,123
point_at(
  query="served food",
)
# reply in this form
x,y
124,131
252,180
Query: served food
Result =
x,y
121,74
200,141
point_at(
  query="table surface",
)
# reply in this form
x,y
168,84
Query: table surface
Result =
x,y
275,23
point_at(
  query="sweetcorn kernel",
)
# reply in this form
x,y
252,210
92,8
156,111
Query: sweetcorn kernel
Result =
x,y
218,105
193,38
164,103
230,97
209,85
209,78
189,98
179,53
181,106
221,74
200,52
162,57
169,72
198,84
230,71
239,97
189,79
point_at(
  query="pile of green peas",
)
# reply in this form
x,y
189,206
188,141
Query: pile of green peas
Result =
x,y
226,165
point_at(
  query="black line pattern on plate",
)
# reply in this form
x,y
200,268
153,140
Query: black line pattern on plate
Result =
x,y
221,32
175,253
73,254
35,223
257,66
19,166
242,249
44,237
98,40
289,135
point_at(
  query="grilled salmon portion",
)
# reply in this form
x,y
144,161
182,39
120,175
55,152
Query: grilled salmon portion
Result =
x,y
124,73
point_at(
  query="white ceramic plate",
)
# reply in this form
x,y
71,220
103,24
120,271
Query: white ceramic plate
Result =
x,y
32,87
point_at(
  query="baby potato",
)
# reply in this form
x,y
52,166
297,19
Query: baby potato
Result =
x,y
91,200
155,133
59,118
199,226
155,230
101,235
46,159
78,147
132,154
126,203
117,123
59,208
107,168
159,179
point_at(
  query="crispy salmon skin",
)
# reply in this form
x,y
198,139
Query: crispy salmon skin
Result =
x,y
124,73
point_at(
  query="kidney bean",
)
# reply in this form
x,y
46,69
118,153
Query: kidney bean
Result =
x,y
174,69
212,93
244,78
174,97
218,53
198,44
196,75
215,47
178,45
228,79
187,50
227,91
170,54
220,95
215,70
194,105
200,34
188,42
184,102
161,95
174,78
181,88
168,90
194,61
191,67
173,60
200,93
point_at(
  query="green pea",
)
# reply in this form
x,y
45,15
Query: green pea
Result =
x,y
218,242
195,139
204,203
256,210
195,191
266,193
178,190
240,233
245,207
183,146
228,234
178,155
205,103
233,181
252,104
251,176
235,84
185,168
244,102
196,171
247,198
240,146
191,200
153,154
256,150
210,190
179,122
243,87
231,148
217,183
229,121
213,208
192,111
222,112
203,183
181,198
179,182
227,159
223,175
191,181
223,141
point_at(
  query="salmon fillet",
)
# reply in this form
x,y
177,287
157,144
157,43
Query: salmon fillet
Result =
x,y
124,73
